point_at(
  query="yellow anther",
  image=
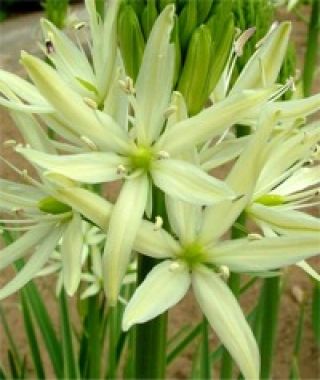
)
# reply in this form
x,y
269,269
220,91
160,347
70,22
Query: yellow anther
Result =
x,y
89,142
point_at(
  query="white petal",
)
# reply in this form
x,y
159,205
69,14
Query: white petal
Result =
x,y
124,223
155,242
22,245
187,182
284,220
94,167
184,219
163,288
264,66
34,264
242,179
71,251
94,207
154,82
242,255
212,121
226,318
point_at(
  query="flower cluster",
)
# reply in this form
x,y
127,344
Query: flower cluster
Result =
x,y
108,128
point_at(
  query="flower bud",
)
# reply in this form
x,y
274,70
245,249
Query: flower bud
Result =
x,y
204,7
187,22
149,16
163,3
131,40
192,83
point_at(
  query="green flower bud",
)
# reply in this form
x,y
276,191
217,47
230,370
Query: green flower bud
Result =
x,y
163,3
187,22
193,78
137,5
204,7
149,16
131,40
51,205
176,41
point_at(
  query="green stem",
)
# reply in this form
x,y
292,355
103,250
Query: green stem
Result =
x,y
151,337
205,364
310,61
113,340
269,319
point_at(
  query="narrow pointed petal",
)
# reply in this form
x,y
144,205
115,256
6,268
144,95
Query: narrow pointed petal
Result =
x,y
264,66
90,205
124,224
242,179
285,221
154,242
243,255
184,219
34,264
82,119
22,245
212,121
188,183
71,252
226,318
163,288
93,167
154,82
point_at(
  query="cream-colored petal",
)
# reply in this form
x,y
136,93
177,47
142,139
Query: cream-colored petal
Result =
x,y
71,251
163,288
124,223
155,242
94,167
243,255
187,182
227,319
34,264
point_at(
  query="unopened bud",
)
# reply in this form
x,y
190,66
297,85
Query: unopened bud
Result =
x,y
149,15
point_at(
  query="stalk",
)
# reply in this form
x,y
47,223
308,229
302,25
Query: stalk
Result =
x,y
269,322
205,363
112,324
151,337
310,61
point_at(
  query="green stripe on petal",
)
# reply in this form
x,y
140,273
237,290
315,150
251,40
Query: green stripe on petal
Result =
x,y
226,318
124,223
163,288
188,183
71,253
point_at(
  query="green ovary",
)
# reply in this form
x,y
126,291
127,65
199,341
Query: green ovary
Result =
x,y
142,158
51,205
193,254
270,200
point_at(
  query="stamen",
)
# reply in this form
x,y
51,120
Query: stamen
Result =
x,y
121,170
89,142
91,103
242,40
80,25
9,143
127,86
224,271
175,266
158,223
163,155
253,237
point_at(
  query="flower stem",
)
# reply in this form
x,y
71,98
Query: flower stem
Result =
x,y
151,337
205,364
311,54
271,301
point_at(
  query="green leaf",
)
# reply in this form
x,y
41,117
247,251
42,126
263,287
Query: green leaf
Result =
x,y
70,366
32,338
316,312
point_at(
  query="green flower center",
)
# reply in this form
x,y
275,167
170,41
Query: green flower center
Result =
x,y
193,254
271,200
51,205
142,158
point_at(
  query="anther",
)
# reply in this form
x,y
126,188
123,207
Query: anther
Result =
x,y
158,223
242,40
121,170
224,271
298,294
89,142
254,237
10,143
127,86
163,155
49,46
174,266
80,25
91,103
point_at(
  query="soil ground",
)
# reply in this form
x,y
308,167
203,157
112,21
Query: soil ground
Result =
x,y
20,33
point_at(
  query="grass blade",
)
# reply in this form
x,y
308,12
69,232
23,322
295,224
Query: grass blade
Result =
x,y
316,312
